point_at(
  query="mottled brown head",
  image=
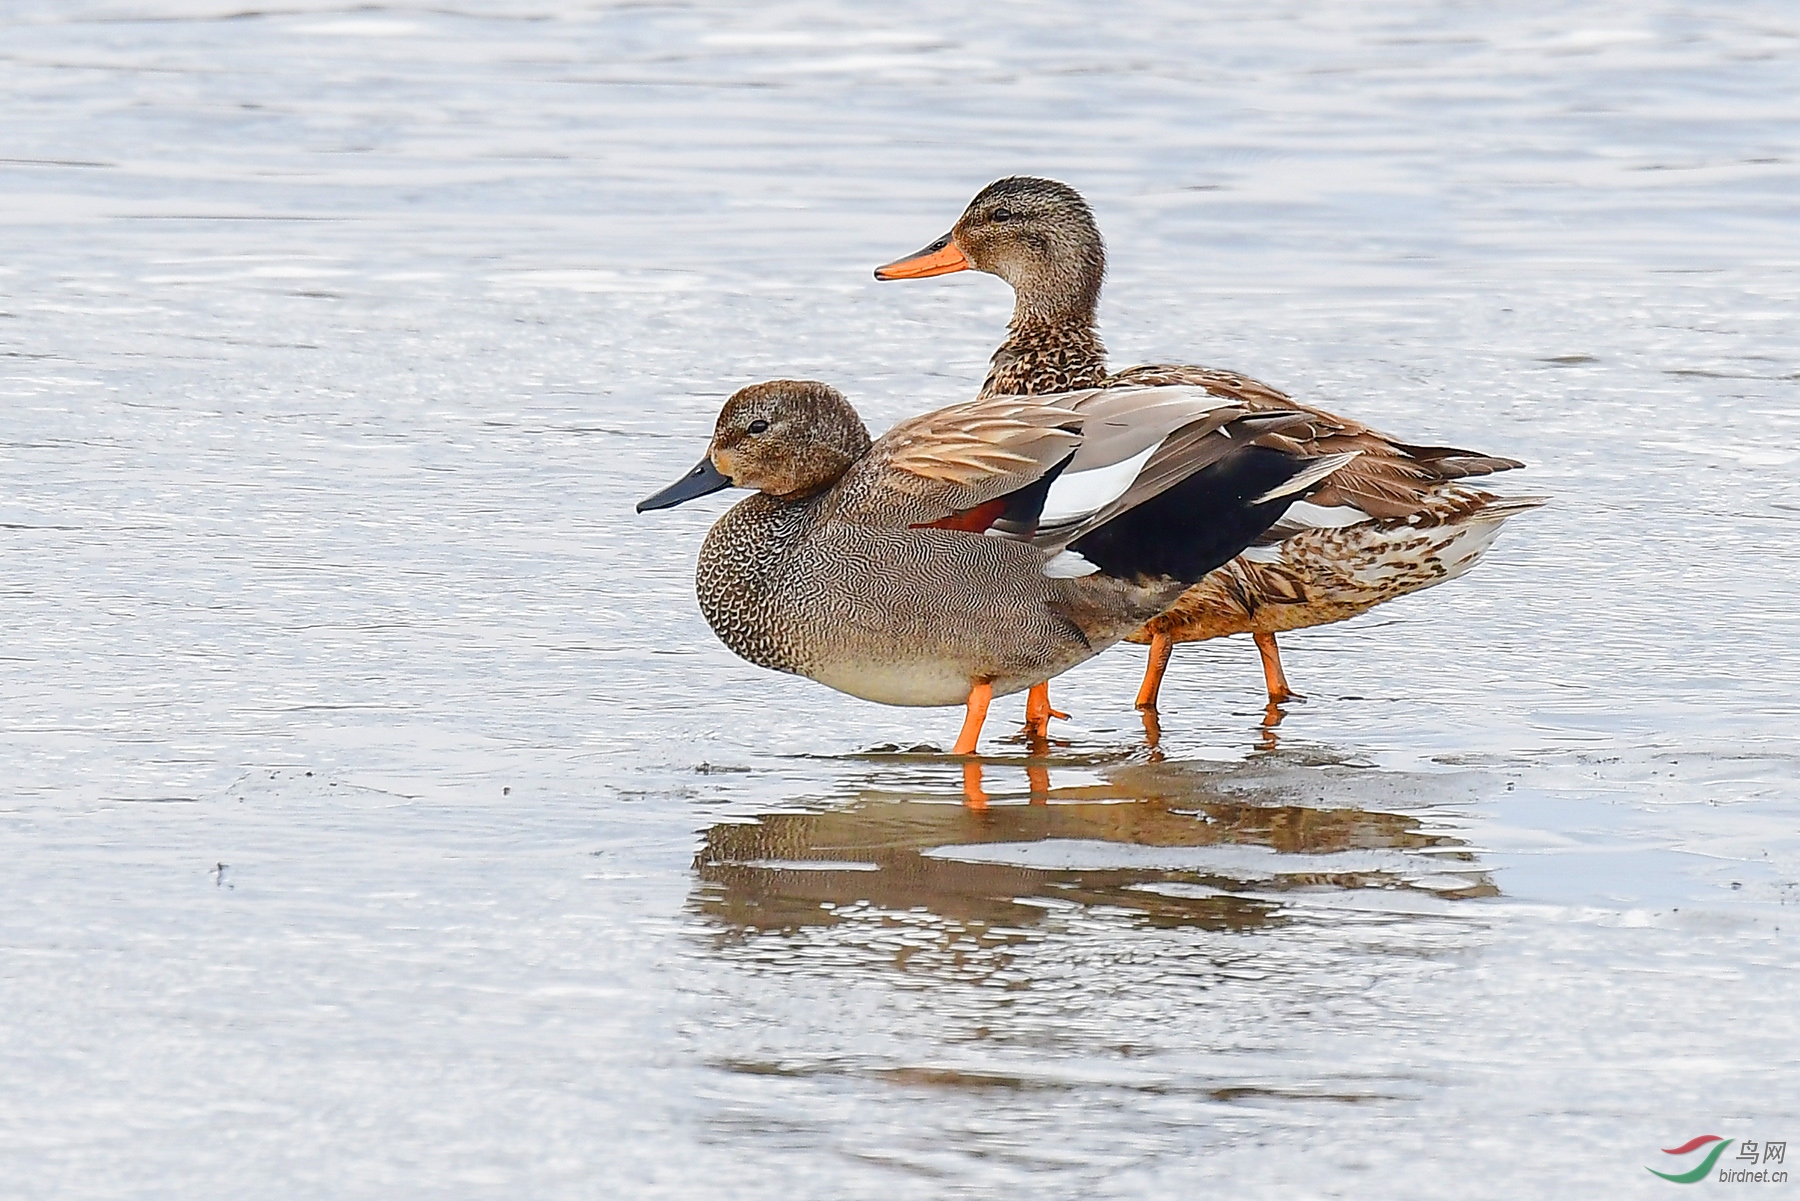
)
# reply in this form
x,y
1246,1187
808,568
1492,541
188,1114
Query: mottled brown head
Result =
x,y
788,438
1036,234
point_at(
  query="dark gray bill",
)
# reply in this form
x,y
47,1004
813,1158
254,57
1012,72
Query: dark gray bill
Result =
x,y
703,480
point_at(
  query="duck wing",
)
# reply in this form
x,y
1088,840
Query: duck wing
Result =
x,y
966,454
1389,478
1046,469
1137,444
1227,385
961,467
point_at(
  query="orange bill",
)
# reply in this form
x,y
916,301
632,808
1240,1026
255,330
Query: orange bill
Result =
x,y
940,258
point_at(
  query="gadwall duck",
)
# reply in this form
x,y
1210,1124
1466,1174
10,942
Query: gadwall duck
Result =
x,y
980,549
1391,523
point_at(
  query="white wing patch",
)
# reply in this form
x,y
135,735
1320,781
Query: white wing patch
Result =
x,y
1075,494
1067,565
1323,517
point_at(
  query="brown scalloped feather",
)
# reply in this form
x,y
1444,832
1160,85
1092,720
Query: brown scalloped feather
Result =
x,y
1327,575
1227,384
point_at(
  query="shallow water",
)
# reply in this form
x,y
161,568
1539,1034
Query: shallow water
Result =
x,y
383,820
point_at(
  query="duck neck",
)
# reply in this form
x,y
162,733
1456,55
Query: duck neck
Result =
x,y
1048,349
742,561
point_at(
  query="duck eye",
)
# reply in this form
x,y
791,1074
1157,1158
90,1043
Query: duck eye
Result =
x,y
1000,214
758,426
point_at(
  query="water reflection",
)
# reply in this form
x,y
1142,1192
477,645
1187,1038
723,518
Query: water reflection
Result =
x,y
1164,844
1273,716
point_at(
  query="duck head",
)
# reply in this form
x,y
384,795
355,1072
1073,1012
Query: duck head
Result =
x,y
787,438
1036,234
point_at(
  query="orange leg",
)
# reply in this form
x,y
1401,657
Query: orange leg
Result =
x,y
1279,692
1038,711
1161,647
980,697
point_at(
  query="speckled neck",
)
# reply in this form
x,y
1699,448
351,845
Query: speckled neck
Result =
x,y
1041,357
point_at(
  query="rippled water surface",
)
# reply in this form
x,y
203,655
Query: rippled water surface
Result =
x,y
382,819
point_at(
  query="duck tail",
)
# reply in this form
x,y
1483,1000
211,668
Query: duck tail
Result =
x,y
1207,519
1449,463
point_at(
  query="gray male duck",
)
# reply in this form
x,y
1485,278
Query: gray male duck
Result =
x,y
980,549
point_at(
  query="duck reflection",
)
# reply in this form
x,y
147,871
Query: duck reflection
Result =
x,y
1161,842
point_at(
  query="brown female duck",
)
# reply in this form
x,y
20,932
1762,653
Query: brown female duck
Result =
x,y
1392,522
980,549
